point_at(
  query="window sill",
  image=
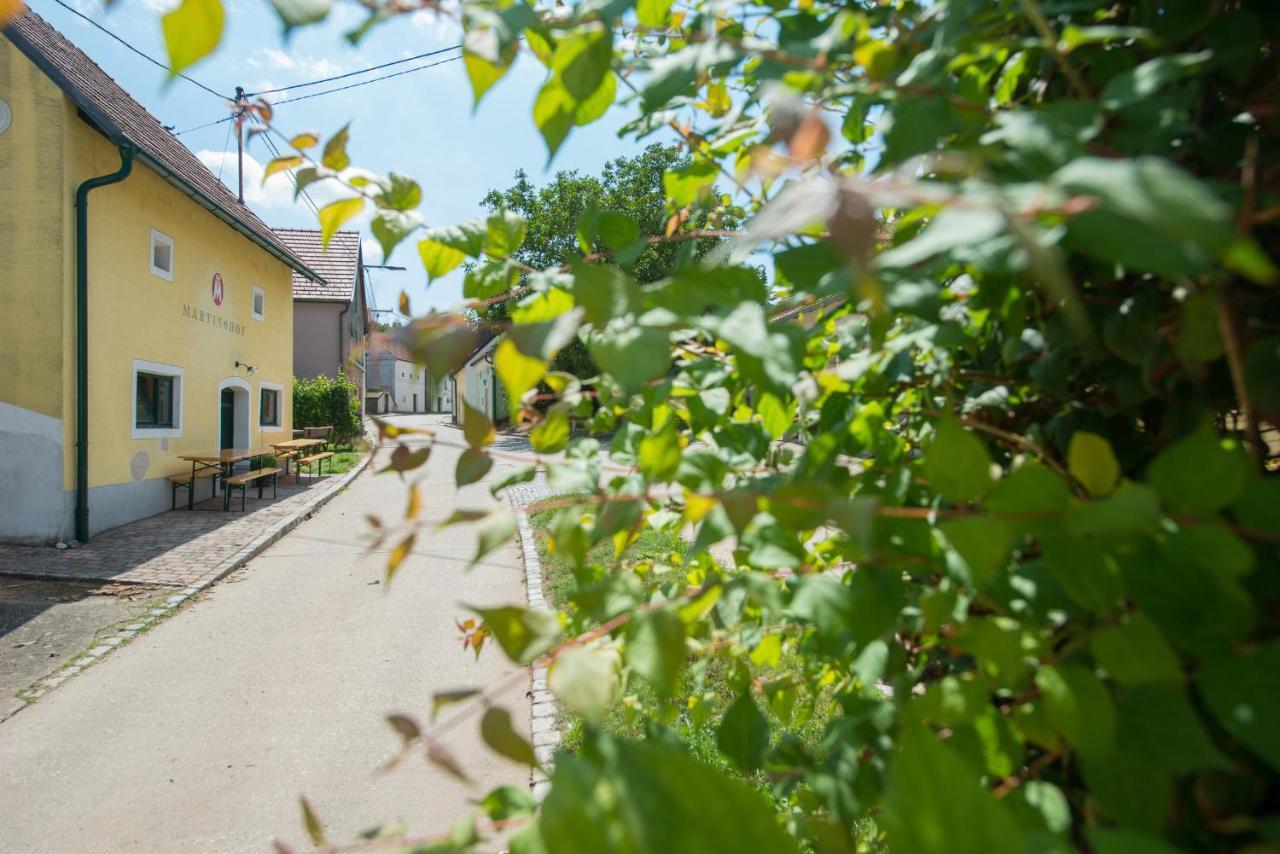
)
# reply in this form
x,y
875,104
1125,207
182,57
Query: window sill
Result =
x,y
157,433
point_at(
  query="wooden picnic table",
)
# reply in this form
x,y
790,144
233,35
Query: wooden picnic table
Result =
x,y
293,448
223,460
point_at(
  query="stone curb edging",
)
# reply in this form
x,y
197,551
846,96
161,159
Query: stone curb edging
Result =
x,y
543,721
172,603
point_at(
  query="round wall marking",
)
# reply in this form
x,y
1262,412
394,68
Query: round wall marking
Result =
x,y
6,115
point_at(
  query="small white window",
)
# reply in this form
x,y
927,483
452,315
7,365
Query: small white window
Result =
x,y
259,302
161,255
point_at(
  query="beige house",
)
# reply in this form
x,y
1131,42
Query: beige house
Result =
x,y
330,318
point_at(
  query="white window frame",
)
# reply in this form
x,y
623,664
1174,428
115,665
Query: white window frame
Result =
x,y
141,366
159,237
279,390
258,292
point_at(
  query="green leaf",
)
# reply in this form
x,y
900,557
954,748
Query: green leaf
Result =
x,y
467,237
1243,692
683,185
934,802
472,466
502,738
506,802
1135,652
632,356
950,229
335,155
653,13
1080,708
553,113
191,32
1159,725
1092,462
477,427
504,234
334,214
614,229
584,679
437,258
299,13
655,649
957,463
581,60
482,73
392,227
490,280
1260,372
1087,573
1178,474
551,434
1140,83
743,734
604,292
1150,203
775,415
495,529
1031,490
523,633
1131,508
981,544
658,454
315,829
518,372
666,801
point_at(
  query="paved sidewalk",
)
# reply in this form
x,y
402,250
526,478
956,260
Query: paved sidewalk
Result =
x,y
201,734
174,549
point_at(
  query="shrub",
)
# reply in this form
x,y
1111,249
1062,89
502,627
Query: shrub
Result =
x,y
327,402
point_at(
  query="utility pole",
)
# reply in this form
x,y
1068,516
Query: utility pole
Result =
x,y
240,138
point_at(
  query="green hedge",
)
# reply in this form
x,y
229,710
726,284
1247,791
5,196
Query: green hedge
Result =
x,y
327,402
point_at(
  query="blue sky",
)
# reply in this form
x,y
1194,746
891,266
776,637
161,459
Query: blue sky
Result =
x,y
421,124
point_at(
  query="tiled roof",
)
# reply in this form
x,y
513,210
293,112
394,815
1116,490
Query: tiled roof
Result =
x,y
339,264
123,120
385,342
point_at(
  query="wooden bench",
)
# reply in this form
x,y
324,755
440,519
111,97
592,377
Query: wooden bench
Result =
x,y
187,482
316,460
242,481
325,433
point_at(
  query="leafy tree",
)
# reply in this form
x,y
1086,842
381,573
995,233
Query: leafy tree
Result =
x,y
555,213
1024,561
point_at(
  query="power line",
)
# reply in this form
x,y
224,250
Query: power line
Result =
x,y
223,158
154,62
354,73
325,92
207,125
266,137
367,82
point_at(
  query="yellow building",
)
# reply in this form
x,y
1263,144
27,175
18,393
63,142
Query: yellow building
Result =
x,y
153,321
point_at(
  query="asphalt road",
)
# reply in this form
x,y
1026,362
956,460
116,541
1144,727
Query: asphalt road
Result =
x,y
201,735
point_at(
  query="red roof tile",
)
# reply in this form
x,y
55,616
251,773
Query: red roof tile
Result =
x,y
339,264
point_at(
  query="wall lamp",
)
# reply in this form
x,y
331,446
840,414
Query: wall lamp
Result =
x,y
250,368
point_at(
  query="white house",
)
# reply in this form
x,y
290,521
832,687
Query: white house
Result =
x,y
477,383
392,370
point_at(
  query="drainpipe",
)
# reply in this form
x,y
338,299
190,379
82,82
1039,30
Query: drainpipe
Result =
x,y
82,334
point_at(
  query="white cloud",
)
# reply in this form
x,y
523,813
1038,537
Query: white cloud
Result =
x,y
308,67
372,251
441,24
